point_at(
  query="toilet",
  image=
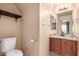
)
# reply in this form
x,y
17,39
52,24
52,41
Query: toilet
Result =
x,y
8,47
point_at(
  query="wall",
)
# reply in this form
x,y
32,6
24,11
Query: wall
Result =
x,y
11,7
76,24
53,13
44,29
30,28
8,26
34,17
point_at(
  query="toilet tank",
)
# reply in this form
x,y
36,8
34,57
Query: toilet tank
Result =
x,y
8,44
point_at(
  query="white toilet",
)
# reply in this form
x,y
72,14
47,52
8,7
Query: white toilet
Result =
x,y
8,47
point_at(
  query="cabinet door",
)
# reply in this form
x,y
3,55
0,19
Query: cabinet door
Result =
x,y
55,46
74,48
52,45
69,48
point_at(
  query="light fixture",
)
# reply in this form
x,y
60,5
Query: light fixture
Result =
x,y
64,8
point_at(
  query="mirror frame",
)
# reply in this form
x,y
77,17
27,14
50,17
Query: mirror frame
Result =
x,y
59,22
52,21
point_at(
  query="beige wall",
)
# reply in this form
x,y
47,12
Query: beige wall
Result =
x,y
30,28
11,7
44,26
34,16
76,23
8,26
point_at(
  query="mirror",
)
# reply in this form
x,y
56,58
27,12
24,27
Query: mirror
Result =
x,y
52,23
65,24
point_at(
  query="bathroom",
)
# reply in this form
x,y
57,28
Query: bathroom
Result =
x,y
64,33
40,26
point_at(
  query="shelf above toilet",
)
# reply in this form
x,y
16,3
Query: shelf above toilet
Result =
x,y
2,12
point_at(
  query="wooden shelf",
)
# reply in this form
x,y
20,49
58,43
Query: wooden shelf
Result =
x,y
2,12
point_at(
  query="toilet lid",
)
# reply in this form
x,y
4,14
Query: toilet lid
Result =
x,y
14,52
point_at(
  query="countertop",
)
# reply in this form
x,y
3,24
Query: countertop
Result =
x,y
63,37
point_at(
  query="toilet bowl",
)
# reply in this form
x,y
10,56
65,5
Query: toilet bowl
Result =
x,y
14,52
8,47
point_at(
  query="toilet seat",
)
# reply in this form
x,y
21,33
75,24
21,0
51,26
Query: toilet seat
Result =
x,y
14,52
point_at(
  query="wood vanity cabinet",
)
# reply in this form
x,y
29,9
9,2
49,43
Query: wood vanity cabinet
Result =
x,y
69,47
55,46
63,47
